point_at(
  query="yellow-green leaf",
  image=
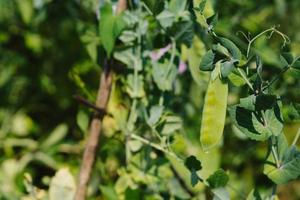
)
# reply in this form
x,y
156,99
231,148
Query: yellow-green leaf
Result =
x,y
214,113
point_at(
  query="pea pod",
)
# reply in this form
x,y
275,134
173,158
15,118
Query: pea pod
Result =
x,y
214,111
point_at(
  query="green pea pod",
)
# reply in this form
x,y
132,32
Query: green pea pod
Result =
x,y
214,111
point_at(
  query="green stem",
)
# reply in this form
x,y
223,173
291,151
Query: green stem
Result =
x,y
276,78
274,191
155,146
273,29
275,156
246,79
296,137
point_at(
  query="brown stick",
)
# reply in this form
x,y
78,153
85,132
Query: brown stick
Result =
x,y
90,150
94,133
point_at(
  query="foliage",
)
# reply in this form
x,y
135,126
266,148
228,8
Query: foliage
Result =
x,y
178,61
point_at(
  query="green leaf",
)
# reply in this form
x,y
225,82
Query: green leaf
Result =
x,y
164,75
220,193
254,195
232,48
110,27
289,167
166,18
129,59
226,68
221,50
135,87
248,102
193,165
202,6
171,124
236,79
287,58
55,136
26,10
213,20
155,114
296,64
244,120
177,6
207,62
250,122
109,192
183,32
62,186
82,120
218,179
265,101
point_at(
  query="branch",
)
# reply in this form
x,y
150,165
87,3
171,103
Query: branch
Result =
x,y
88,104
90,150
94,133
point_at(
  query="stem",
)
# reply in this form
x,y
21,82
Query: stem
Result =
x,y
91,147
275,156
296,138
276,78
246,79
272,30
155,146
90,150
274,190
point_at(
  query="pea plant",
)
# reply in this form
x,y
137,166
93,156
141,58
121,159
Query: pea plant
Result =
x,y
146,49
148,44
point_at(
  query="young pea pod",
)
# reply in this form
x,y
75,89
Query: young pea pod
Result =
x,y
214,111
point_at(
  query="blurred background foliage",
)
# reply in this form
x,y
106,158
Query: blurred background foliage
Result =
x,y
47,55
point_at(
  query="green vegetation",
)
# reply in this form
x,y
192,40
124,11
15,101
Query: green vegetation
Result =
x,y
198,99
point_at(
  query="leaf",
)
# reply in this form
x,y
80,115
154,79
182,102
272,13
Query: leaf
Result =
x,y
135,145
164,75
62,186
213,20
226,68
218,179
155,114
183,32
244,120
207,62
110,27
220,194
221,50
26,10
193,165
171,124
259,102
82,120
289,167
166,18
214,113
202,6
287,58
296,64
129,59
55,136
265,101
248,102
254,195
135,87
250,122
109,192
236,79
177,6
232,48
